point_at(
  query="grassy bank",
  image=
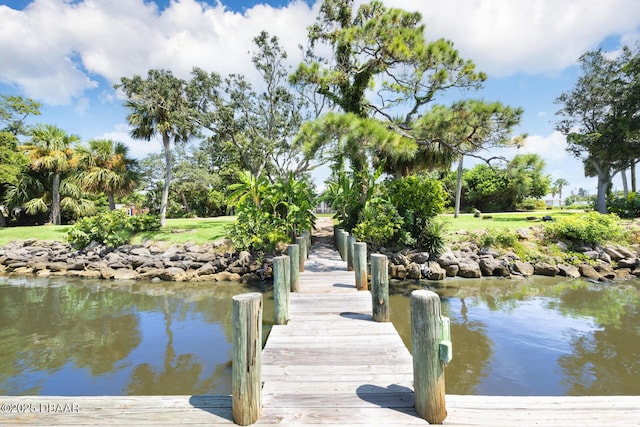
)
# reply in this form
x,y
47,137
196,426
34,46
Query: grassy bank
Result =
x,y
202,230
197,230
500,221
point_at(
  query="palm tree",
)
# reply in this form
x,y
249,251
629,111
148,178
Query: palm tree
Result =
x,y
160,106
50,153
108,169
558,184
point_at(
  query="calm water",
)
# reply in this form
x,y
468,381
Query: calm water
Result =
x,y
66,337
537,337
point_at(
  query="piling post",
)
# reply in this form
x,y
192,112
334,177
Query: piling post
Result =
x,y
281,289
428,366
301,242
379,288
351,240
294,255
246,363
343,244
307,240
360,265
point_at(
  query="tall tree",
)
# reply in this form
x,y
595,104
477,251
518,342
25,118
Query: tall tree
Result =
x,y
559,184
14,112
160,105
107,168
600,116
257,127
381,70
51,153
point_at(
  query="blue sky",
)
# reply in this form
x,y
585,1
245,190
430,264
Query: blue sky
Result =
x,y
68,54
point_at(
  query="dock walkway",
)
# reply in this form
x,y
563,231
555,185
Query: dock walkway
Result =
x,y
331,364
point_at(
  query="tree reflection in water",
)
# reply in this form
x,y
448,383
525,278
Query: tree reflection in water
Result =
x,y
536,336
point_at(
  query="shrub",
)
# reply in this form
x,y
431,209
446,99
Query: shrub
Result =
x,y
625,207
589,228
112,229
379,222
418,199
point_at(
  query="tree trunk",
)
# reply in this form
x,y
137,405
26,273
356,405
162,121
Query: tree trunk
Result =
x,y
56,217
111,200
633,175
604,180
167,179
458,188
625,185
187,208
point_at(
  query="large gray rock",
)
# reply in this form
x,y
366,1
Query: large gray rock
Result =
x,y
434,271
174,274
569,271
545,269
494,267
414,272
469,269
125,274
523,268
588,272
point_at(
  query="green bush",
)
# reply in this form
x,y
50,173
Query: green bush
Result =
x,y
418,199
112,229
625,207
531,204
379,222
589,228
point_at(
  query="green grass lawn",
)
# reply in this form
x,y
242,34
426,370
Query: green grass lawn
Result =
x,y
197,230
202,230
500,221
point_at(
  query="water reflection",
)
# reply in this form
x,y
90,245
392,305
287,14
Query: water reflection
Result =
x,y
91,338
537,337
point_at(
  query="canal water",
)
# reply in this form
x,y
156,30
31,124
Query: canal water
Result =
x,y
528,337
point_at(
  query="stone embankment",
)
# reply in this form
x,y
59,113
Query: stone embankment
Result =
x,y
211,262
149,261
603,263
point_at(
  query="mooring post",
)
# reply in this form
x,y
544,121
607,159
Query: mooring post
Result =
x,y
246,362
379,288
281,289
307,235
343,244
339,236
360,265
294,255
428,340
351,240
301,242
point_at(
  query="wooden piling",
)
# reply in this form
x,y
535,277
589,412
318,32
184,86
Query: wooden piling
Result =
x,y
379,288
246,363
351,240
294,255
343,244
301,242
428,368
281,289
360,265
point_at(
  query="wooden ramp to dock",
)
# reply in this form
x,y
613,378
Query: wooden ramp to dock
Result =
x,y
331,364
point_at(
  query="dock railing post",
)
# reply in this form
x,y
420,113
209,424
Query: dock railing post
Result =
x,y
294,254
379,288
360,265
351,240
301,242
427,334
246,363
281,289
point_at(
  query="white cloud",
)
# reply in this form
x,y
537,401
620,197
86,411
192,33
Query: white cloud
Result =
x,y
52,50
504,37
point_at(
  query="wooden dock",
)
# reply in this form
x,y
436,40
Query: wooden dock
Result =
x,y
331,364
